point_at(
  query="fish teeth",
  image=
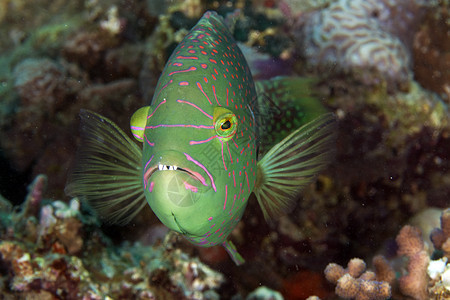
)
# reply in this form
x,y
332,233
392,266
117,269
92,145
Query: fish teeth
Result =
x,y
167,168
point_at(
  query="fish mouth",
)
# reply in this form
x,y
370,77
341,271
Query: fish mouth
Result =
x,y
167,168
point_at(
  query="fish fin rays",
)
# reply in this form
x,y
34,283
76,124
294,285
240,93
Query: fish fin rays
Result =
x,y
107,172
292,164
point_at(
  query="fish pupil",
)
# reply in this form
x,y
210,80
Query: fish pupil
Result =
x,y
226,125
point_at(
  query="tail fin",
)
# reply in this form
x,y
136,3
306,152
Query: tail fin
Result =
x,y
107,171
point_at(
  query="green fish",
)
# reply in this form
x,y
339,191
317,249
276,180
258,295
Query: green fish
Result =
x,y
201,138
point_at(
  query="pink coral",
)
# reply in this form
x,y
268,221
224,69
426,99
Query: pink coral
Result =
x,y
355,282
410,244
35,195
441,236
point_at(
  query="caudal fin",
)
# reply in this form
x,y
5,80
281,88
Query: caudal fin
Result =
x,y
293,163
107,171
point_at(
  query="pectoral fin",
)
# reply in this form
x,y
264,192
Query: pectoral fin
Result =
x,y
293,163
107,171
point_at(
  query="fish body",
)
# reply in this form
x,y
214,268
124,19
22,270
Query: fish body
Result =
x,y
200,143
201,130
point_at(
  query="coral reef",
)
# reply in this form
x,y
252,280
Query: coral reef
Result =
x,y
355,282
72,60
392,158
56,250
367,39
424,279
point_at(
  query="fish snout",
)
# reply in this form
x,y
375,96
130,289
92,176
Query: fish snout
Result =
x,y
174,178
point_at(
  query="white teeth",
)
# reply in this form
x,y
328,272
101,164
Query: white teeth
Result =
x,y
165,167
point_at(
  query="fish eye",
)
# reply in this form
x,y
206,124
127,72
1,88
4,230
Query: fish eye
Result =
x,y
225,123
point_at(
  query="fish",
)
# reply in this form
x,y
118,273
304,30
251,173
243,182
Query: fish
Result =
x,y
202,138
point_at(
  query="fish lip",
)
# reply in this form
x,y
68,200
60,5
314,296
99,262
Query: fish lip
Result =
x,y
195,175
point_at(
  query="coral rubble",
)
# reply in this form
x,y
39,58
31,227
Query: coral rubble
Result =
x,y
56,250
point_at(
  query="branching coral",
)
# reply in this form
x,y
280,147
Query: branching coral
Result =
x,y
355,282
410,244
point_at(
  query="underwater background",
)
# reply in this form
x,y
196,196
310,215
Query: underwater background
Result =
x,y
374,225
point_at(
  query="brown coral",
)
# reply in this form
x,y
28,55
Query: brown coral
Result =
x,y
40,83
357,283
88,48
410,244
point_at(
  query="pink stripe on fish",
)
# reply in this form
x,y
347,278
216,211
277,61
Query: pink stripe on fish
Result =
x,y
193,105
162,102
150,188
183,71
203,141
137,137
190,187
215,96
148,162
248,183
203,92
159,92
226,196
181,125
204,169
186,57
148,142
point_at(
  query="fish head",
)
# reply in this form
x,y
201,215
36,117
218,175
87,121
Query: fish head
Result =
x,y
199,167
